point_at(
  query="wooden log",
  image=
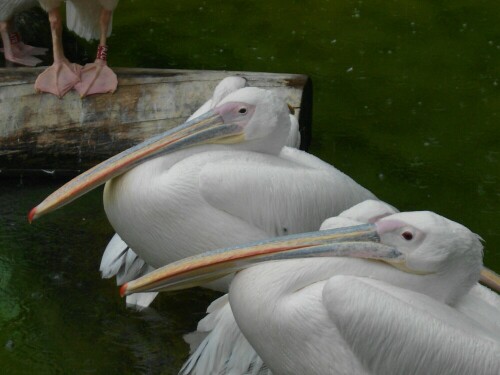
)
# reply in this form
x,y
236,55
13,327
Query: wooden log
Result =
x,y
41,131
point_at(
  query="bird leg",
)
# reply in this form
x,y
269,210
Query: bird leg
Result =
x,y
26,49
15,50
97,77
18,47
59,78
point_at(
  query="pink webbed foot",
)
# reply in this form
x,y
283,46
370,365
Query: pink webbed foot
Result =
x,y
59,78
28,50
26,60
21,53
96,78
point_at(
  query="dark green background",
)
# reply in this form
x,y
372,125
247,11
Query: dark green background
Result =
x,y
406,101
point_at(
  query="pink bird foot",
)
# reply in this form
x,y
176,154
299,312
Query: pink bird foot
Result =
x,y
28,50
21,53
59,78
22,60
21,49
97,77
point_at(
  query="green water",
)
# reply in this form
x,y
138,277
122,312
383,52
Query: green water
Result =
x,y
406,101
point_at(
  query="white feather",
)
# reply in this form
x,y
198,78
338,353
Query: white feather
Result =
x,y
222,349
345,316
293,139
122,262
8,8
48,5
83,17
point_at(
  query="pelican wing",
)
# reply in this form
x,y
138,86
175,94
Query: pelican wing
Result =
x,y
9,8
482,305
218,346
397,331
256,188
121,261
82,17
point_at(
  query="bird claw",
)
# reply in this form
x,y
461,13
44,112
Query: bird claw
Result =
x,y
59,78
96,78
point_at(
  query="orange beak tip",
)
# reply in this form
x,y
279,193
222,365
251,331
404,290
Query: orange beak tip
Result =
x,y
123,290
31,215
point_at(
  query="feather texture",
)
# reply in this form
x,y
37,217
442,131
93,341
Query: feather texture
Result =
x,y
122,262
8,8
222,350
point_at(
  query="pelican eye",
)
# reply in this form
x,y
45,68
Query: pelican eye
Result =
x,y
242,110
407,235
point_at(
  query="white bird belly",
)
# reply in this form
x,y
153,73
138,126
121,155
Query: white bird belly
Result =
x,y
160,213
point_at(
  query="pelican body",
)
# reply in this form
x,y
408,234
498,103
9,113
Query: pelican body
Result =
x,y
224,195
419,310
229,196
221,179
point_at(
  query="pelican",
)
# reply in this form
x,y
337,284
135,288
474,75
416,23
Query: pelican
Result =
x,y
13,47
90,19
119,259
218,180
416,309
219,347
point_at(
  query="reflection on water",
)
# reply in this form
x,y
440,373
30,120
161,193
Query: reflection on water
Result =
x,y
406,101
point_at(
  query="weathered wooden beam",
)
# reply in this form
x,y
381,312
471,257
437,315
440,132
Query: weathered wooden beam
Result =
x,y
41,131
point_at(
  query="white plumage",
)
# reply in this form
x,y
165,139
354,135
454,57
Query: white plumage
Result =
x,y
214,196
345,316
8,8
119,259
82,16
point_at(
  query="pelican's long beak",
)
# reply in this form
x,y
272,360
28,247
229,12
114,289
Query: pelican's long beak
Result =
x,y
208,128
359,241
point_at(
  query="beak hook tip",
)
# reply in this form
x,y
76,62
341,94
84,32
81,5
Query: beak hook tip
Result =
x,y
32,215
123,290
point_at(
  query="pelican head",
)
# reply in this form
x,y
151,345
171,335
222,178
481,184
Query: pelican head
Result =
x,y
250,118
419,243
433,244
263,117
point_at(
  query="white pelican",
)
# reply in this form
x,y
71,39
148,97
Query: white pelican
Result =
x,y
427,315
119,260
90,19
13,47
221,179
219,347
